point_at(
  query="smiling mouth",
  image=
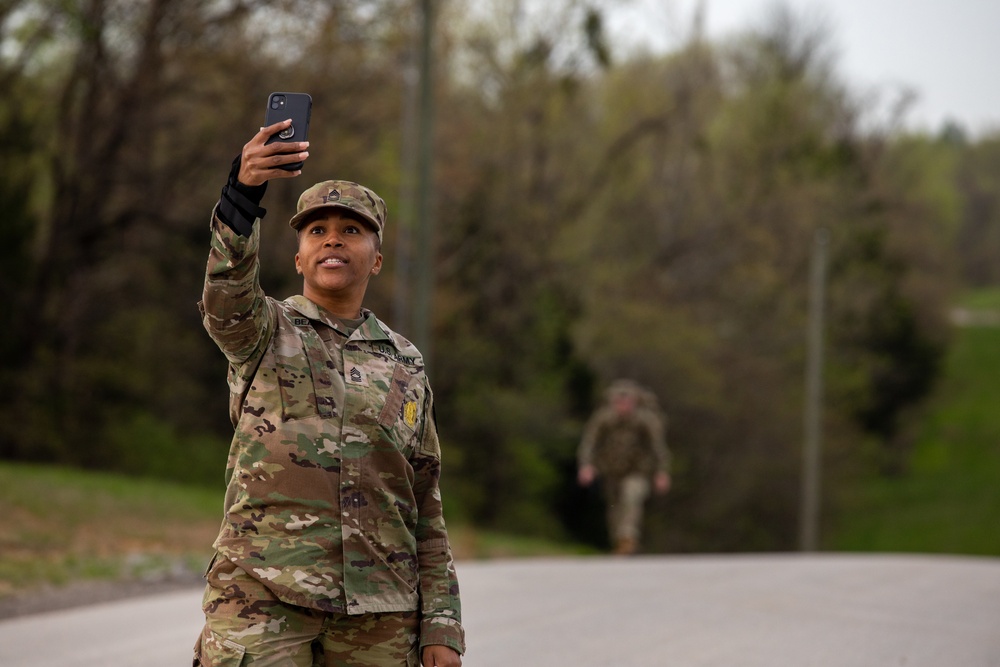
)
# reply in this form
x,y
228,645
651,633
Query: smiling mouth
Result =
x,y
332,261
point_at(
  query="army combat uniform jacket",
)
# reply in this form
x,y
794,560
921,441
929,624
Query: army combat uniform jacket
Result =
x,y
619,446
332,496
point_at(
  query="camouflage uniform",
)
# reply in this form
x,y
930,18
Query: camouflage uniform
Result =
x,y
626,451
332,503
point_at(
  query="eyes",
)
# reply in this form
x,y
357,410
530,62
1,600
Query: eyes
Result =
x,y
321,229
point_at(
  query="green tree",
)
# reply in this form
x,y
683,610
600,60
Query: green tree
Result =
x,y
507,381
151,102
978,239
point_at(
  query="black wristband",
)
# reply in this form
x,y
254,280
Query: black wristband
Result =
x,y
252,193
239,205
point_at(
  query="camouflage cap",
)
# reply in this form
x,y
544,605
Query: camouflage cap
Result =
x,y
624,387
341,194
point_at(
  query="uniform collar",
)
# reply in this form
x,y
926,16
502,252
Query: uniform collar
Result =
x,y
370,328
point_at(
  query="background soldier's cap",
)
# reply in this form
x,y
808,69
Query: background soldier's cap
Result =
x,y
341,194
624,388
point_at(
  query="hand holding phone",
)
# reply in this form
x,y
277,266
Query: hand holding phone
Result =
x,y
282,106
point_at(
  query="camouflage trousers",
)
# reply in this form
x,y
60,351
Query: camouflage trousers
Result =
x,y
625,497
246,626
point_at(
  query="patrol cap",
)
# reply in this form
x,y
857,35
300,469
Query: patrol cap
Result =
x,y
624,388
341,194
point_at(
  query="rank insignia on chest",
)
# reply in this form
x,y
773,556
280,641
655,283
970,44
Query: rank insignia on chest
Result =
x,y
357,376
410,413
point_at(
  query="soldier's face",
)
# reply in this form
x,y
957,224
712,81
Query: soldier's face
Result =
x,y
337,256
624,405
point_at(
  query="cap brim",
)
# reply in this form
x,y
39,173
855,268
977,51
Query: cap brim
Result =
x,y
300,218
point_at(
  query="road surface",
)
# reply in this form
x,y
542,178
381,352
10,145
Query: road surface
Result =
x,y
689,611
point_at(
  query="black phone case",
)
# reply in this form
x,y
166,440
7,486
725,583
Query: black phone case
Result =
x,y
298,107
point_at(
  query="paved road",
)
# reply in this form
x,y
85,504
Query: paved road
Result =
x,y
704,611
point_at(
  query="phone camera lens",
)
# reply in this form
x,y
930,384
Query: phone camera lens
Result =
x,y
274,104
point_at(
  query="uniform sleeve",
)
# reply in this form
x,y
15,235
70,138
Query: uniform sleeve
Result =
x,y
441,608
591,434
657,426
234,310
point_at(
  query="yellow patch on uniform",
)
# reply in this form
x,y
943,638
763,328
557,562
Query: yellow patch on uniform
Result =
x,y
410,413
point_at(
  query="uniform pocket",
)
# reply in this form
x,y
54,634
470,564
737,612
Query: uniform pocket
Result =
x,y
304,372
213,650
295,382
402,410
399,392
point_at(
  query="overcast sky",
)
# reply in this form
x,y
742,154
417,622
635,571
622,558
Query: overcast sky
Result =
x,y
946,51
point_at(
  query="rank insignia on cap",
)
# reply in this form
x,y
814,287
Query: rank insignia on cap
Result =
x,y
410,413
333,195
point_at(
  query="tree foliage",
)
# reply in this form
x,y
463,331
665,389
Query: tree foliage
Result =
x,y
597,217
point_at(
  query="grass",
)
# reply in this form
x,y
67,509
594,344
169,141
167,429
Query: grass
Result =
x,y
949,500
984,299
60,525
469,543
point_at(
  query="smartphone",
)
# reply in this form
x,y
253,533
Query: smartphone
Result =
x,y
282,106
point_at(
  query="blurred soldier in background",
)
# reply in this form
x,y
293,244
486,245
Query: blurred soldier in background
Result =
x,y
624,443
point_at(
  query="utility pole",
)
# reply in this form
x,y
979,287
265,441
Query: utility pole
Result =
x,y
424,218
405,217
811,459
